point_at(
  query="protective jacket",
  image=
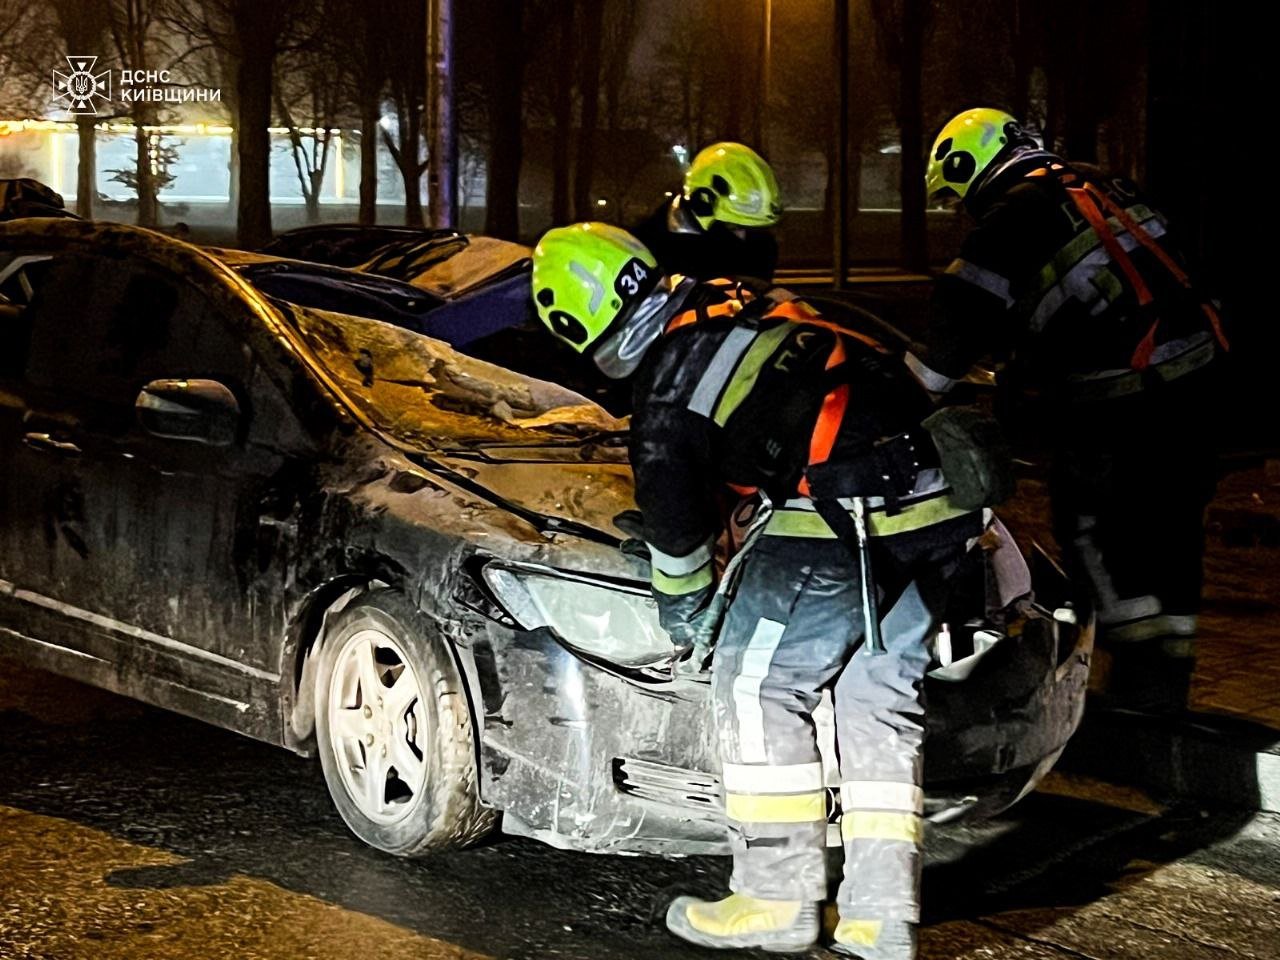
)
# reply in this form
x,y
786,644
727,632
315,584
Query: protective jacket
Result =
x,y
754,394
682,247
1072,274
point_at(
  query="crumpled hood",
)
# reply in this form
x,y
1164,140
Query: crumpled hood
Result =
x,y
557,513
589,492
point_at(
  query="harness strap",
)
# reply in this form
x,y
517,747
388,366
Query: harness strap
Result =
x,y
835,402
1087,197
1088,208
1161,254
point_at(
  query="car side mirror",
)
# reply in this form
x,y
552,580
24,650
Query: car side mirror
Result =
x,y
203,411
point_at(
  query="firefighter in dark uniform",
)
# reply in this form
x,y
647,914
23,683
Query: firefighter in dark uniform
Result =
x,y
1070,274
753,393
720,224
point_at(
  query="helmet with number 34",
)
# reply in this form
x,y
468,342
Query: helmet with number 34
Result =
x,y
588,278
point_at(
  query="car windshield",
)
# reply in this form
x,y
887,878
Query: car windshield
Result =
x,y
429,396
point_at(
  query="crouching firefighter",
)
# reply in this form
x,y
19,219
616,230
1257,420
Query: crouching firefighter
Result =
x,y
1070,274
764,395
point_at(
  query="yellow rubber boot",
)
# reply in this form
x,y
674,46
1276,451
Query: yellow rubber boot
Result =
x,y
876,939
738,922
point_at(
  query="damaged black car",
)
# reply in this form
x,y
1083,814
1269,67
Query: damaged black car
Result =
x,y
286,500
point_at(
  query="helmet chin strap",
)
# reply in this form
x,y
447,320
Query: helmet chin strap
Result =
x,y
680,220
1021,153
619,354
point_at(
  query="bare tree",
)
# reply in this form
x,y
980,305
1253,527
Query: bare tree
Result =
x,y
685,73
562,111
366,72
83,27
505,110
309,93
257,30
19,81
211,51
618,40
590,37
134,28
247,35
405,26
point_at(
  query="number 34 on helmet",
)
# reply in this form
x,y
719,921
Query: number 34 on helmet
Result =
x,y
587,279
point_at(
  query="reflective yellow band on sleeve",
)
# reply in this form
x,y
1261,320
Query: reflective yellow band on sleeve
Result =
x,y
679,586
744,378
677,566
807,523
790,808
882,825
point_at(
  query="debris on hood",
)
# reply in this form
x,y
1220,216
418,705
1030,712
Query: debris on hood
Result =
x,y
426,394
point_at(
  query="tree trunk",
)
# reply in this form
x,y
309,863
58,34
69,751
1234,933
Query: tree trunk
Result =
x,y
146,181
369,160
562,117
442,128
915,240
589,87
1023,52
233,165
411,165
86,165
253,95
506,123
739,78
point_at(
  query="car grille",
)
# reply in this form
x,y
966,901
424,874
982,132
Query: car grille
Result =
x,y
672,786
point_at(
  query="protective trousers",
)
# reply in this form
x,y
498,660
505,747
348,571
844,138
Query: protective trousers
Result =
x,y
793,629
1131,479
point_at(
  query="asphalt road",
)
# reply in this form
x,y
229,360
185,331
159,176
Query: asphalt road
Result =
x,y
126,832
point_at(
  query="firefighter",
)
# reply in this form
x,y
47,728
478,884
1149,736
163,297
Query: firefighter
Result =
x,y
1069,274
719,225
731,389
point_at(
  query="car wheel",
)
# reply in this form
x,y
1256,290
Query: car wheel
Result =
x,y
393,730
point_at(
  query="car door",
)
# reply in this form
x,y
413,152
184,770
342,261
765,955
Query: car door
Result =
x,y
174,541
37,471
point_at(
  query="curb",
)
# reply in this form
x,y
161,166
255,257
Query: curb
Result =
x,y
1194,756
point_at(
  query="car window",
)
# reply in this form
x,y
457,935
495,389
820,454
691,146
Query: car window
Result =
x,y
102,328
20,276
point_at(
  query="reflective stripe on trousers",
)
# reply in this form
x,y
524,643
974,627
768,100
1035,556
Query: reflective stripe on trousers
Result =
x,y
792,631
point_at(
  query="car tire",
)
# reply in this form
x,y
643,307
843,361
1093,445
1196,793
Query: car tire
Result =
x,y
388,693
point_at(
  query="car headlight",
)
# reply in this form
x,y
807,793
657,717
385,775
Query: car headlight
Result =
x,y
614,623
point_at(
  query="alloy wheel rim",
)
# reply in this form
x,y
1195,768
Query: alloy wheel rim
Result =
x,y
376,726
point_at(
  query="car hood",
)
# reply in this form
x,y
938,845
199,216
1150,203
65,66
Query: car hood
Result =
x,y
580,495
556,513
529,459
422,394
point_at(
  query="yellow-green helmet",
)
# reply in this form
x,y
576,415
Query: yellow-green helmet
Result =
x,y
587,277
966,147
732,183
